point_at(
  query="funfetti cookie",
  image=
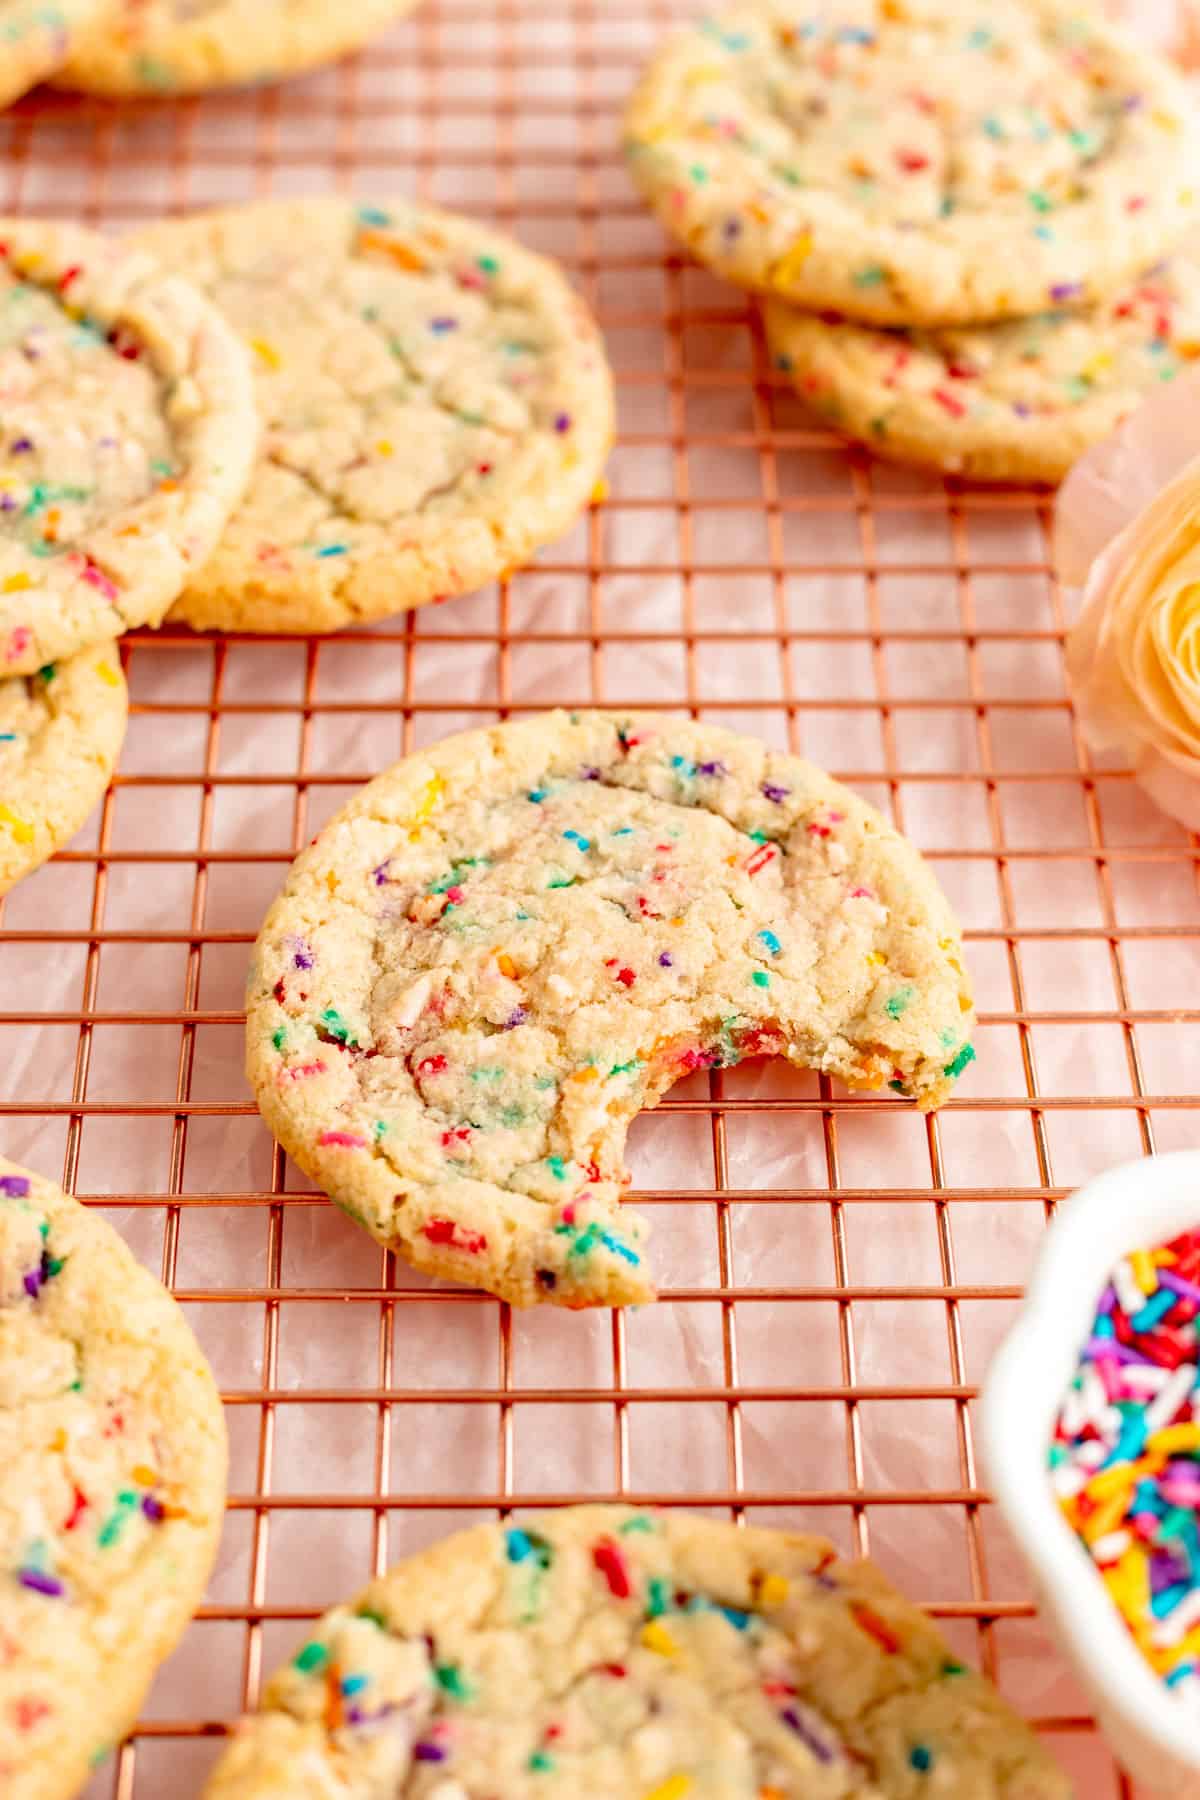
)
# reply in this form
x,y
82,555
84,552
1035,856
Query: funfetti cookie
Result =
x,y
36,38
112,1485
60,735
509,944
622,1655
436,406
177,47
127,433
1020,400
916,162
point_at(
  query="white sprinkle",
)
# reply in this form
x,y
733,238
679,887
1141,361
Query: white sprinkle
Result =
x,y
1128,1292
1144,1377
1068,1480
1091,1454
411,1003
1177,1624
1111,1548
1170,1398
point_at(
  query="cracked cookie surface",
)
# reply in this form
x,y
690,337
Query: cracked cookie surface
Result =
x,y
1019,400
436,406
112,1485
509,944
60,735
186,46
127,431
916,162
631,1655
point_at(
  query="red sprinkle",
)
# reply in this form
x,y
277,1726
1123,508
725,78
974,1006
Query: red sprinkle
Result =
x,y
460,1135
615,1570
874,1626
27,1712
949,403
432,1065
78,1508
761,857
626,977
912,161
68,276
618,1671
446,1231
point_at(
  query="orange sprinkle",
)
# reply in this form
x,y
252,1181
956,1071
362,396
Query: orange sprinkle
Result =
x,y
383,244
877,1628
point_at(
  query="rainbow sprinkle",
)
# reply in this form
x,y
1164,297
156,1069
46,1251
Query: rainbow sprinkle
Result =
x,y
1125,1460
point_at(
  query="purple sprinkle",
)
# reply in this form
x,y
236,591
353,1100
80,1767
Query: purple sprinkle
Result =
x,y
1169,1279
517,1017
427,1752
818,1746
7,503
774,792
1021,409
666,960
711,768
21,443
41,1584
32,1283
445,323
1066,290
732,228
1107,1300
381,873
15,1186
303,958
589,774
154,1509
563,422
1133,102
1098,1347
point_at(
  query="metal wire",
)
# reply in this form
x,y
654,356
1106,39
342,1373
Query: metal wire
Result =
x,y
510,108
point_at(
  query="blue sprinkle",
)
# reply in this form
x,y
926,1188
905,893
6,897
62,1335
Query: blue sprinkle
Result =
x,y
1167,1599
353,1684
576,838
8,737
519,1546
624,831
1179,1673
373,215
618,1248
920,1758
537,795
333,550
771,941
1155,1308
739,1619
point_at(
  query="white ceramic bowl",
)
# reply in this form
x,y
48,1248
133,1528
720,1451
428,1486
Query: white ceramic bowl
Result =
x,y
1137,1206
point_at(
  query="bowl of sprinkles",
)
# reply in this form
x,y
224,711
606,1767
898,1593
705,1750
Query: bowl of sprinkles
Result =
x,y
1091,1432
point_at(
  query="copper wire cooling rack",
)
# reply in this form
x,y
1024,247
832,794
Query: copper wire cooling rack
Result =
x,y
835,1270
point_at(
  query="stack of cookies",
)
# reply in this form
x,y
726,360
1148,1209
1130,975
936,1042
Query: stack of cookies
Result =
x,y
138,47
959,210
286,418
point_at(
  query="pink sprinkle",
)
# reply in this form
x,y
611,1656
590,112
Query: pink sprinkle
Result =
x,y
949,403
861,893
343,1140
19,640
95,577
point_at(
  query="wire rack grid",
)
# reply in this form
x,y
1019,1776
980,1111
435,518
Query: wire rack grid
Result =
x,y
835,1269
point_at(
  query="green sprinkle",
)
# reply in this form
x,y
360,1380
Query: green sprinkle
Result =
x,y
372,1618
872,276
311,1656
897,1087
624,1068
489,264
487,1074
558,1167
639,1522
336,1027
563,881
920,1757
658,1597
954,1069
760,978
899,1002
279,1038
48,673
1039,201
99,1756
451,1681
879,426
759,837
951,1667
698,173
539,1761
379,1128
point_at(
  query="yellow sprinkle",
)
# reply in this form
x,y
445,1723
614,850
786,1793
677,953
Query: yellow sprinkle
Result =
x,y
267,351
16,584
434,788
789,266
1167,120
107,673
59,1440
22,830
673,1788
142,1475
1174,1437
656,1637
1106,1517
1097,365
384,447
876,957
600,492
506,965
773,1592
1143,1271
1116,1480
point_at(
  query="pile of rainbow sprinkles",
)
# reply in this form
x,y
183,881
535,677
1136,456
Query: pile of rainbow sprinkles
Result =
x,y
1125,1460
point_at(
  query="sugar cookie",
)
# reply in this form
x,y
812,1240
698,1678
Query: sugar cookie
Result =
x,y
509,944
